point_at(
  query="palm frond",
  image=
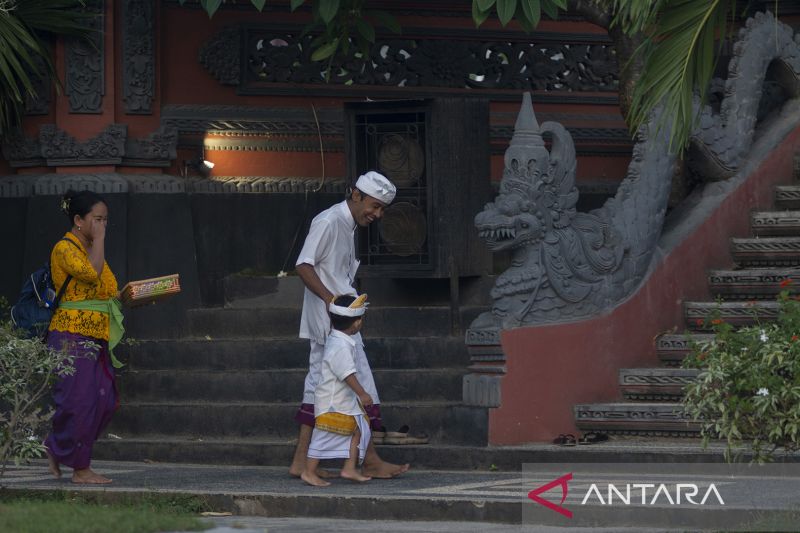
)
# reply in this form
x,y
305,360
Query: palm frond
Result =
x,y
679,58
25,28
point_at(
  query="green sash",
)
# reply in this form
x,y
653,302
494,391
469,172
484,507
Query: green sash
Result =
x,y
113,309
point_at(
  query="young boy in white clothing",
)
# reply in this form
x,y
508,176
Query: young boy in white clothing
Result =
x,y
341,429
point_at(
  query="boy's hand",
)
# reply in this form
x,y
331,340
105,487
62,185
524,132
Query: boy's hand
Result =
x,y
366,399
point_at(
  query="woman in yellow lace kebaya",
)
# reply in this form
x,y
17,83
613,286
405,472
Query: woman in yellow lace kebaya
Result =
x,y
87,325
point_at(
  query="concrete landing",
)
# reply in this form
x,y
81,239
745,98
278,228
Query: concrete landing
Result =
x,y
438,496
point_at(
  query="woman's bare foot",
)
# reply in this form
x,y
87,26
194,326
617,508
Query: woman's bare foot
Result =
x,y
384,470
354,475
53,465
88,477
313,479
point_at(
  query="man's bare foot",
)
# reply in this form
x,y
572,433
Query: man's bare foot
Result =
x,y
313,479
53,465
321,473
88,477
354,475
384,470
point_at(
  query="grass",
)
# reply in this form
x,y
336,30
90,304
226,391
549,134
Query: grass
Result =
x,y
69,512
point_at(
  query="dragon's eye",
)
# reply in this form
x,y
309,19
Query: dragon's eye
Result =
x,y
525,225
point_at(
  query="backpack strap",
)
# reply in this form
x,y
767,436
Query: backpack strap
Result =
x,y
69,276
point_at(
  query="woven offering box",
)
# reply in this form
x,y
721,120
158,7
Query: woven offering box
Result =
x,y
152,290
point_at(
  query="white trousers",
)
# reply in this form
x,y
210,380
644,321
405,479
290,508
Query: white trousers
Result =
x,y
363,371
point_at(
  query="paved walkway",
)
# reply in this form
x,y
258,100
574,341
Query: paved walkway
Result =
x,y
446,501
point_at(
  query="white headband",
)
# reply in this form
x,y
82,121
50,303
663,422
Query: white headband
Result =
x,y
356,309
377,185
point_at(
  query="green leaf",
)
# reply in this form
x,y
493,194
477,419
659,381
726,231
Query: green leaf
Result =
x,y
328,10
366,30
485,5
325,51
532,10
211,6
259,4
294,4
478,16
505,10
388,21
550,8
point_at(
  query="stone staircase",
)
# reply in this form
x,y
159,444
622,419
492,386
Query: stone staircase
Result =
x,y
227,392
652,396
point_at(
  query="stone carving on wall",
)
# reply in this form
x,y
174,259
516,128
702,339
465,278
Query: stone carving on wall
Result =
x,y
568,265
220,56
138,56
60,148
42,86
85,72
280,55
156,150
21,151
58,184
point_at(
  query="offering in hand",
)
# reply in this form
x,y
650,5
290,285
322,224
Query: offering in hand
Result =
x,y
148,291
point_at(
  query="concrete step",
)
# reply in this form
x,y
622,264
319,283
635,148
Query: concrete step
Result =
x,y
285,322
753,284
700,314
280,385
265,354
775,223
672,348
270,452
787,196
766,252
444,422
635,418
656,384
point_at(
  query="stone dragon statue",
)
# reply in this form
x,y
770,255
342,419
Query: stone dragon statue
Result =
x,y
567,265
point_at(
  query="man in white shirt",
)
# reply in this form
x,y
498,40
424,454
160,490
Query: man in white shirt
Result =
x,y
327,265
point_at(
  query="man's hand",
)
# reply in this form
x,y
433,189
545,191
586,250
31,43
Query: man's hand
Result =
x,y
366,399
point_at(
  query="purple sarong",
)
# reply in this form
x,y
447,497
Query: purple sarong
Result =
x,y
84,401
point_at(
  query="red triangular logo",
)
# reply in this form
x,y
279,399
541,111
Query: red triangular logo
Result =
x,y
562,481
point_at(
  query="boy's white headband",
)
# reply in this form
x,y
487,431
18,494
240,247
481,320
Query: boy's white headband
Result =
x,y
356,309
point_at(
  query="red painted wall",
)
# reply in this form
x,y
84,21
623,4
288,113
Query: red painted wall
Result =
x,y
552,368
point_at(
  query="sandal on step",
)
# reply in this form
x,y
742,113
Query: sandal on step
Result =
x,y
593,438
565,439
401,437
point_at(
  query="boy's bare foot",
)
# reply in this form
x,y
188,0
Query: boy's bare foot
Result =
x,y
87,477
313,479
321,472
53,465
384,470
354,475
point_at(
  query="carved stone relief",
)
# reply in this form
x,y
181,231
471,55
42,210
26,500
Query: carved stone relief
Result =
x,y
85,75
156,150
60,148
220,56
21,151
138,56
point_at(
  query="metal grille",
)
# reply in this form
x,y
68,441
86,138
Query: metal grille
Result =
x,y
395,145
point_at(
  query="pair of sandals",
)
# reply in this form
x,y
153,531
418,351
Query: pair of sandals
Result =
x,y
397,438
568,439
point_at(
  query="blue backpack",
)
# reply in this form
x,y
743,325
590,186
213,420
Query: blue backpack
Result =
x,y
38,301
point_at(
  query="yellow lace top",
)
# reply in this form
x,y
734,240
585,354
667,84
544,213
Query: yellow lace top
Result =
x,y
85,285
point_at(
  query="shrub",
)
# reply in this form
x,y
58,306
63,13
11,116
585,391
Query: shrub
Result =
x,y
28,369
748,387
